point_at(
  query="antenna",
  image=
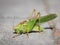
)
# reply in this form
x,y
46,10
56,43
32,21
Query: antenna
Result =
x,y
13,22
51,23
47,8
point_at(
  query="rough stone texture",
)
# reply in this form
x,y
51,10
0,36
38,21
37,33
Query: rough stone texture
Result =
x,y
44,38
21,10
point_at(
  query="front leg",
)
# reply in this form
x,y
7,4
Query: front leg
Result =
x,y
17,34
27,33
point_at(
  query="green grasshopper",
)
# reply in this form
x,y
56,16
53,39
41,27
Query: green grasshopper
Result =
x,y
33,23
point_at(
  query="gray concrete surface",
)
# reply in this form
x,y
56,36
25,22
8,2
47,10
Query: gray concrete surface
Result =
x,y
44,38
21,10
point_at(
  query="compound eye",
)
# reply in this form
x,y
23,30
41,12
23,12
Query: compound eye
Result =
x,y
15,31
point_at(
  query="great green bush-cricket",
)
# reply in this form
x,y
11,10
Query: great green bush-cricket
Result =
x,y
33,23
